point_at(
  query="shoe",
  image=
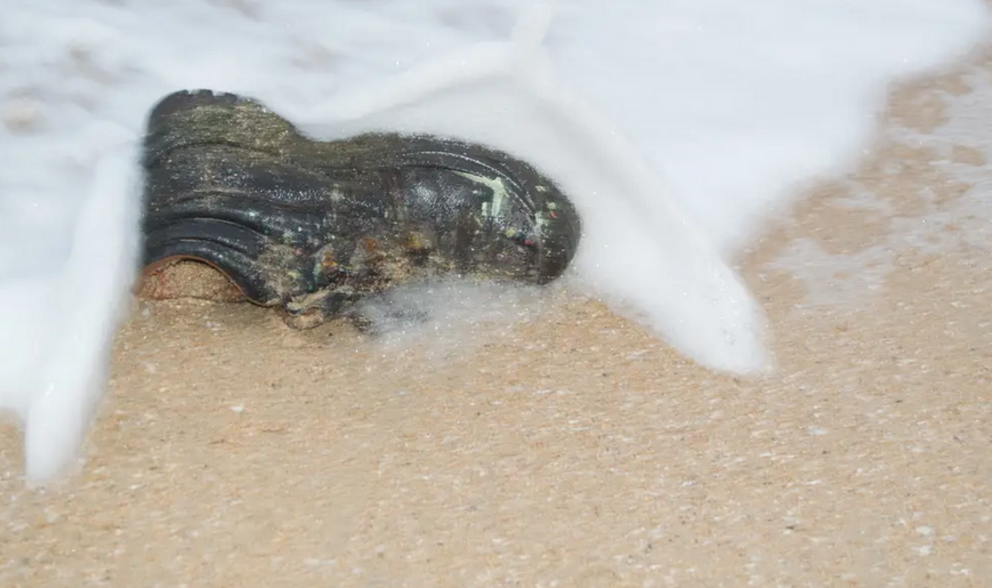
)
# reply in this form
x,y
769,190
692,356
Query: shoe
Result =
x,y
316,226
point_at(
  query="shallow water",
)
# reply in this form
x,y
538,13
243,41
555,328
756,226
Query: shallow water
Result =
x,y
677,127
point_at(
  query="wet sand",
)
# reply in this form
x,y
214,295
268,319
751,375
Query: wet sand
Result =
x,y
573,449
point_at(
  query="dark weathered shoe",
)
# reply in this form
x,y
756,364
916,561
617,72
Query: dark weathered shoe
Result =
x,y
314,226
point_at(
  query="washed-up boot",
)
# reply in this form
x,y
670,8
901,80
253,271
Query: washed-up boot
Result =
x,y
316,226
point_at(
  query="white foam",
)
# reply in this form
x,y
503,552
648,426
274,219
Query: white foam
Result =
x,y
91,302
677,126
442,319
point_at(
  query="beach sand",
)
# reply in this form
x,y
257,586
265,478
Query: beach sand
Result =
x,y
573,449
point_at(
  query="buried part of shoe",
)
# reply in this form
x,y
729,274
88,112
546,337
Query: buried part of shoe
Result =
x,y
315,226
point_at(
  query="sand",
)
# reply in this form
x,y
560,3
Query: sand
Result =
x,y
573,449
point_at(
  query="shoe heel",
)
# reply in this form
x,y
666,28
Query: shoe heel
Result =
x,y
204,117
